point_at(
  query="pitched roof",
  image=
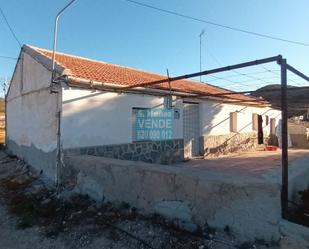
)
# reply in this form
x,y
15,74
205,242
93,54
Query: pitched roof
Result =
x,y
99,71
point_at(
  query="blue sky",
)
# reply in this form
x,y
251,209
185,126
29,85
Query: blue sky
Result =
x,y
119,32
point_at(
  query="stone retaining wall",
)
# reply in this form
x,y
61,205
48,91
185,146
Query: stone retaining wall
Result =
x,y
161,152
216,145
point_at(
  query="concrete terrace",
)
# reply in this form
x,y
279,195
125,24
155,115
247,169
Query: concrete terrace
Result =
x,y
254,163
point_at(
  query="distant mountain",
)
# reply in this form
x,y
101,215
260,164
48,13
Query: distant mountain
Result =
x,y
298,99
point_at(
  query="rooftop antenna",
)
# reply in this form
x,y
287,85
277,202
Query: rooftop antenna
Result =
x,y
200,35
55,43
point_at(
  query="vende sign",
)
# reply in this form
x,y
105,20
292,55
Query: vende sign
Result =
x,y
154,124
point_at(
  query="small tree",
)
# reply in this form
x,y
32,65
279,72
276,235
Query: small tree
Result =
x,y
4,84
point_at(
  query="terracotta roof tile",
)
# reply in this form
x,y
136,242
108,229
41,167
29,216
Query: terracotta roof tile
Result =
x,y
108,73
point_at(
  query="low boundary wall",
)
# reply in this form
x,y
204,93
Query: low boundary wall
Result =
x,y
248,206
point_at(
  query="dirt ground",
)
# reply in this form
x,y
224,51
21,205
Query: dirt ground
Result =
x,y
33,215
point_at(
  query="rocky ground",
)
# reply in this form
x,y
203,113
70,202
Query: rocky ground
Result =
x,y
33,215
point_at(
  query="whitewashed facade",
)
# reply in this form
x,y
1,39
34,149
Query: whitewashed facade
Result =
x,y
42,126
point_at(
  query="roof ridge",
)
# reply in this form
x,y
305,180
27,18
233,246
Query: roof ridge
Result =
x,y
117,65
66,54
94,60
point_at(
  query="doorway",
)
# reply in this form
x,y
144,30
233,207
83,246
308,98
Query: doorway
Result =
x,y
191,130
260,130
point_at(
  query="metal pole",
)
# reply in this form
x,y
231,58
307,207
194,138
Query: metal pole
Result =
x,y
298,73
284,130
55,37
169,82
206,72
170,96
201,34
52,90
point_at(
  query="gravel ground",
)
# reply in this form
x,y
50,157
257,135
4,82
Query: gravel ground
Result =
x,y
33,216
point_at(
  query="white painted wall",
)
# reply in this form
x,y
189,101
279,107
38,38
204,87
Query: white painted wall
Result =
x,y
215,117
29,75
99,118
31,121
31,117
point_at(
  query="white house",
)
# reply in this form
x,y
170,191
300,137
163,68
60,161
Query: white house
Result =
x,y
105,110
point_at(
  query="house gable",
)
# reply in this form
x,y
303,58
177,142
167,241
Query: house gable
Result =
x,y
16,81
32,73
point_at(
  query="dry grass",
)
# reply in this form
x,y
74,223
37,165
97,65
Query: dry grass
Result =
x,y
2,135
2,105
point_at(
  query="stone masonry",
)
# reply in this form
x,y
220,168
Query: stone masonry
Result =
x,y
216,145
160,152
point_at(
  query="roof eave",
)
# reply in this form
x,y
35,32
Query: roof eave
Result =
x,y
112,87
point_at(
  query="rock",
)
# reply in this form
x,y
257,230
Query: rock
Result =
x,y
21,179
290,243
46,201
33,174
91,209
108,214
35,189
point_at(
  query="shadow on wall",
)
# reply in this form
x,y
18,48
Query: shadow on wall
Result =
x,y
299,135
101,124
101,118
242,140
216,145
96,119
196,119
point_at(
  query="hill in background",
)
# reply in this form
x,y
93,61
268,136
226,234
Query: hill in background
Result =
x,y
298,99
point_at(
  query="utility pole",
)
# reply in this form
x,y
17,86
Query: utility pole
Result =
x,y
54,89
284,135
55,44
200,35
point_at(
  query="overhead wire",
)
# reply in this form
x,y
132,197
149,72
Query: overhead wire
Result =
x,y
237,74
218,24
10,27
289,74
8,57
240,85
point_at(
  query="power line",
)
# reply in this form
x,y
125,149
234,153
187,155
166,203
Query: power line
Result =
x,y
8,57
217,24
252,79
10,28
237,72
